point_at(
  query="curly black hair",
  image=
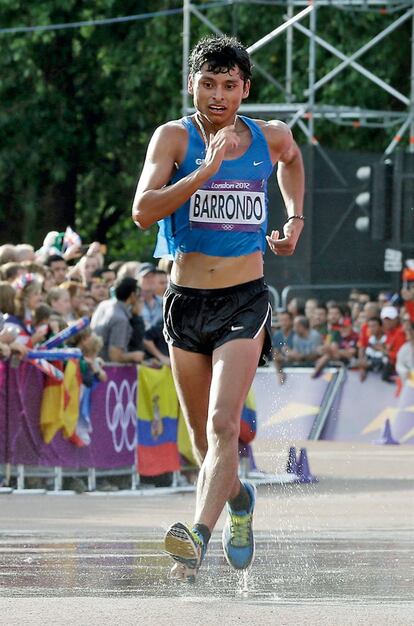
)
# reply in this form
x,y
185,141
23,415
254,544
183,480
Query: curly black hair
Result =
x,y
221,54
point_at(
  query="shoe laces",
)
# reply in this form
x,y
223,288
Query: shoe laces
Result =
x,y
240,530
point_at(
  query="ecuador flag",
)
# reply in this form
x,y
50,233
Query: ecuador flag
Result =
x,y
158,412
162,431
248,422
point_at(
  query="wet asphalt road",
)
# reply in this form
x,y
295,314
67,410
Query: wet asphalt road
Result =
x,y
338,552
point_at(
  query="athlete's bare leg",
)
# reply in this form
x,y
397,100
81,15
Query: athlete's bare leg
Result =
x,y
192,376
234,367
212,392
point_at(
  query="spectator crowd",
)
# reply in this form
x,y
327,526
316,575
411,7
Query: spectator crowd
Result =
x,y
44,291
369,333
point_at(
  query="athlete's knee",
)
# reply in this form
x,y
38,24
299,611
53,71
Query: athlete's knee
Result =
x,y
223,427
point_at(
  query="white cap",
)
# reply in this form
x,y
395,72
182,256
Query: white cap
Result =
x,y
389,312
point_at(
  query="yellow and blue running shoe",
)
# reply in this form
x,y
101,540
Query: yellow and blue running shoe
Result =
x,y
187,548
237,538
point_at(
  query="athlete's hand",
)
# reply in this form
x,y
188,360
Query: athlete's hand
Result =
x,y
286,245
224,141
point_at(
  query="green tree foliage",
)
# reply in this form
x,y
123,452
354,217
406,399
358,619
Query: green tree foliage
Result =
x,y
78,105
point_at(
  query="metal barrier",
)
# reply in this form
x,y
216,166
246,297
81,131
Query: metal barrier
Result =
x,y
53,478
274,297
328,402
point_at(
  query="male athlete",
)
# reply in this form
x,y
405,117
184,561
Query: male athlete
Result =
x,y
205,181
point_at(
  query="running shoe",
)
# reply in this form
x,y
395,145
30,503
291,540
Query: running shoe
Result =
x,y
237,538
187,548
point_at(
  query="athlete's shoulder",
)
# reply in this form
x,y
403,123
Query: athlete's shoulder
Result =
x,y
278,136
275,131
170,130
169,141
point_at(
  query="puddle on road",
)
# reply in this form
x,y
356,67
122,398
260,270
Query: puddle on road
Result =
x,y
364,568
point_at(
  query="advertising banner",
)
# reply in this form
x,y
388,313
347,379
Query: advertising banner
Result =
x,y
287,412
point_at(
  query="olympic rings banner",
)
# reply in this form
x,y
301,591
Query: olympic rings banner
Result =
x,y
113,418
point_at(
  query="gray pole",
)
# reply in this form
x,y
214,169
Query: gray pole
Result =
x,y
289,55
186,53
311,72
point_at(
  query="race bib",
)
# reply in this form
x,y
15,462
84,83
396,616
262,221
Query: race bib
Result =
x,y
229,205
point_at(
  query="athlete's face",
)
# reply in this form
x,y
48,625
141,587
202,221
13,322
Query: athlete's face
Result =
x,y
218,96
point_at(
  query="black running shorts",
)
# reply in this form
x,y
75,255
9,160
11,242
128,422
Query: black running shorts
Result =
x,y
201,320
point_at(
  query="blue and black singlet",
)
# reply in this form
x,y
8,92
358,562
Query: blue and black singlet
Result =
x,y
227,216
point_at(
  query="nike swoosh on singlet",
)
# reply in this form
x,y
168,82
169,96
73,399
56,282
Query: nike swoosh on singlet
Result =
x,y
257,163
237,327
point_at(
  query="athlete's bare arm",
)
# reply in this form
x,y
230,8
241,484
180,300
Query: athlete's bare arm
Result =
x,y
154,200
291,179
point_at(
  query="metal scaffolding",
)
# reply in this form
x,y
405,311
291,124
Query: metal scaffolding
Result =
x,y
301,16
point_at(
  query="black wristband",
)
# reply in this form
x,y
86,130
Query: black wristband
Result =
x,y
296,217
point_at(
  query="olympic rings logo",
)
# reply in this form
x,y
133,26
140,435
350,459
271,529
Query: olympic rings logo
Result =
x,y
121,414
227,226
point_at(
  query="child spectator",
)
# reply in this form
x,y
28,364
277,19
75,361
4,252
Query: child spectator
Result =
x,y
28,297
59,299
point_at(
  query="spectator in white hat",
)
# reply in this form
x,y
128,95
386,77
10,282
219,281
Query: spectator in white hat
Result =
x,y
395,338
